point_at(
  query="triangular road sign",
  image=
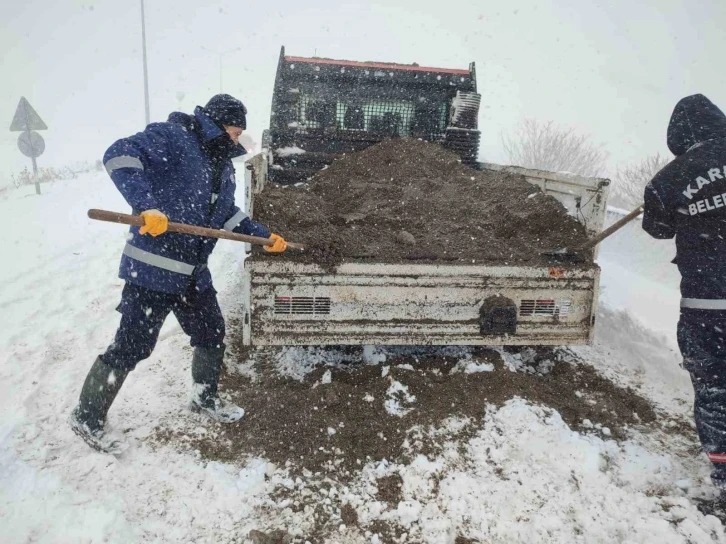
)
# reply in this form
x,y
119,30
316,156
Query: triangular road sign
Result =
x,y
26,118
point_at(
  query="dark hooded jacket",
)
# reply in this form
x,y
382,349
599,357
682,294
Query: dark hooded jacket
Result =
x,y
184,168
687,198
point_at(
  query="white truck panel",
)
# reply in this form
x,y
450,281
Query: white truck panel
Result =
x,y
584,198
415,304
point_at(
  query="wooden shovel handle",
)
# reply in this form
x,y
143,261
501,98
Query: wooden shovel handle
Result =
x,y
137,220
595,240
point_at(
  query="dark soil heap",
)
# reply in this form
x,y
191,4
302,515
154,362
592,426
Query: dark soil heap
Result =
x,y
288,420
409,200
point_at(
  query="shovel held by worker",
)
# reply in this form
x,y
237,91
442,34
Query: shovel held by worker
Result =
x,y
595,240
137,220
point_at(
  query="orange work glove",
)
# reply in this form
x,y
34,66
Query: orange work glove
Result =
x,y
155,222
279,246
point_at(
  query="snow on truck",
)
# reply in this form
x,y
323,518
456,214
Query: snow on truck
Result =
x,y
323,109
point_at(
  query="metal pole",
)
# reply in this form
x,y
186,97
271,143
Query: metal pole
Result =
x,y
146,70
220,55
35,176
30,141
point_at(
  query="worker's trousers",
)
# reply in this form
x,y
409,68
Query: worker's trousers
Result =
x,y
143,312
702,340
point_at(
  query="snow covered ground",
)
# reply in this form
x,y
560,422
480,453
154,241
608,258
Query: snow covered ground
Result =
x,y
524,476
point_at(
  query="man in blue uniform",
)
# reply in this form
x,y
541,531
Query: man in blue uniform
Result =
x,y
687,199
181,171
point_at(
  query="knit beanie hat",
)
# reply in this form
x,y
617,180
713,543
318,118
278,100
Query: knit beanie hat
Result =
x,y
227,110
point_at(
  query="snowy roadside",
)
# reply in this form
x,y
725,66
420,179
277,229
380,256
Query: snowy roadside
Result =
x,y
58,299
523,476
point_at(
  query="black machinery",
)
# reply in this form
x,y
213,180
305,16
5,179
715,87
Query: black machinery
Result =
x,y
323,108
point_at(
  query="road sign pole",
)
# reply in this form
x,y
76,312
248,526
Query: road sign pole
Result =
x,y
35,167
35,177
35,164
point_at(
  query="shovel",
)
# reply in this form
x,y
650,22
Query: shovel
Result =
x,y
595,240
137,220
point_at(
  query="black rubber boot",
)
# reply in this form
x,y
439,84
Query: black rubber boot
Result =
x,y
206,367
89,417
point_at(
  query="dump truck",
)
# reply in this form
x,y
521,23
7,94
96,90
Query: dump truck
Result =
x,y
323,108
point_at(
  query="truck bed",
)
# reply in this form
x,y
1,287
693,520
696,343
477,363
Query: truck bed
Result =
x,y
416,303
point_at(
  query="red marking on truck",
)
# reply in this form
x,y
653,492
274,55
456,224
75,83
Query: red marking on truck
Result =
x,y
379,66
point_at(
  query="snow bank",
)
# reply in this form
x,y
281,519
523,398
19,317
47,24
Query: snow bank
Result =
x,y
526,477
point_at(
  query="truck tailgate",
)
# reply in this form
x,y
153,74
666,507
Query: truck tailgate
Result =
x,y
369,303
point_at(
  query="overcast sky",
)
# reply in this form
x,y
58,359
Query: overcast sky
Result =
x,y
613,69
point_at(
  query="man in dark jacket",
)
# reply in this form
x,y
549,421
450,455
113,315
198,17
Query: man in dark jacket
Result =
x,y
181,171
687,199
